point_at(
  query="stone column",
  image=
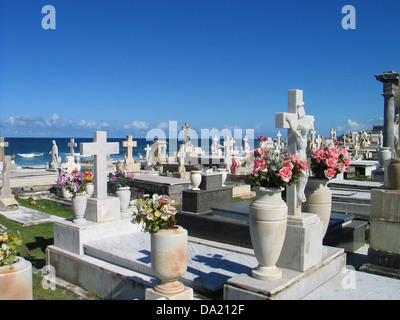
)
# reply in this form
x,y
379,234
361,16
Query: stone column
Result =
x,y
390,80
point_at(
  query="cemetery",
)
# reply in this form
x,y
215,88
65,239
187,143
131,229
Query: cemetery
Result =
x,y
190,225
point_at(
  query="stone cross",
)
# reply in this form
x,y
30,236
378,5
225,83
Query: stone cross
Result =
x,y
318,141
186,128
72,144
227,155
147,149
3,145
313,145
100,149
332,132
129,144
298,125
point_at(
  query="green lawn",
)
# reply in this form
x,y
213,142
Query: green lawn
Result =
x,y
35,239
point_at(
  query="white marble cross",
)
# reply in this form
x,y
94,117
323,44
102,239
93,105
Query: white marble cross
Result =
x,y
227,154
129,144
100,149
214,146
72,144
186,128
296,121
3,145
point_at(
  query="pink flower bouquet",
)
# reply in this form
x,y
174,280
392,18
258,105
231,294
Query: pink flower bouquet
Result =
x,y
327,163
265,169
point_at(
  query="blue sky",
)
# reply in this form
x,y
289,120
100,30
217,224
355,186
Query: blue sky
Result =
x,y
127,66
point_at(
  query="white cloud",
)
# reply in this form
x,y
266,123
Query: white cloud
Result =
x,y
138,125
353,125
163,125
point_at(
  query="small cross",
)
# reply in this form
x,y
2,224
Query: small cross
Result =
x,y
129,144
100,149
332,132
71,145
3,145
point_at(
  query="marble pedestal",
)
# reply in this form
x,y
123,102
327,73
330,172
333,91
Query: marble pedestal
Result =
x,y
302,248
186,294
384,249
101,210
293,285
8,204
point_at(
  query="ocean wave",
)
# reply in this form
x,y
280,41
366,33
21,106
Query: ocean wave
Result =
x,y
30,155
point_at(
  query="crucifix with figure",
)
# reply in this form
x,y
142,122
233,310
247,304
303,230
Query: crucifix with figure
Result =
x,y
298,125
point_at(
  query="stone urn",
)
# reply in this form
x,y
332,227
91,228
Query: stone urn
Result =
x,y
195,179
89,189
267,222
169,251
16,280
224,175
319,201
79,204
66,194
124,195
394,173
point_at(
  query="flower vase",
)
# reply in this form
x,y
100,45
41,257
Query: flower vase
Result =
x,y
124,195
89,189
169,249
16,280
224,175
195,180
79,204
267,222
66,194
394,173
319,201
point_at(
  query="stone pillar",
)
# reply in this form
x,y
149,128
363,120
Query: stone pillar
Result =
x,y
390,80
384,248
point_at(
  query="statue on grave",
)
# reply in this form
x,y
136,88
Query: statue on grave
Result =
x,y
54,154
300,133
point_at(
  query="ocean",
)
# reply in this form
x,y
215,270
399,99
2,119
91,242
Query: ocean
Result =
x,y
36,151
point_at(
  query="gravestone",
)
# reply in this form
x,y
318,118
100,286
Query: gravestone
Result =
x,y
384,248
101,207
72,144
3,144
69,165
227,152
302,260
130,164
211,195
7,200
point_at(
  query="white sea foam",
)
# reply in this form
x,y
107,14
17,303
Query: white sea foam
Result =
x,y
30,155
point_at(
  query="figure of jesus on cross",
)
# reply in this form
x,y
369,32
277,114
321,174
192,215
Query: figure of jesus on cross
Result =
x,y
298,125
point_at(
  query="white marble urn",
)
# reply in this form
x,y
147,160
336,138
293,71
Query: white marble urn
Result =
x,y
267,222
319,201
195,180
169,252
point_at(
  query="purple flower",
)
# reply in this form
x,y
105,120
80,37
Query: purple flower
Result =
x,y
113,179
79,176
61,180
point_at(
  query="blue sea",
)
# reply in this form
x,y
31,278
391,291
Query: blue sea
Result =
x,y
36,151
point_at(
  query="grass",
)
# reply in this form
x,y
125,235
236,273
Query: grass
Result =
x,y
359,178
35,240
